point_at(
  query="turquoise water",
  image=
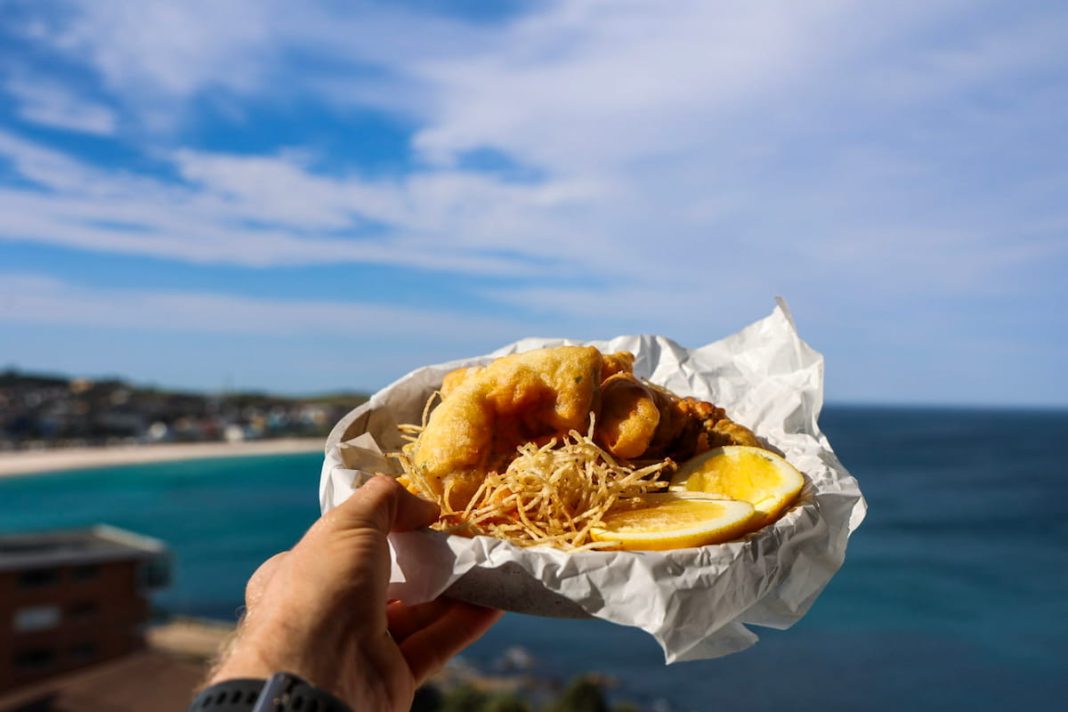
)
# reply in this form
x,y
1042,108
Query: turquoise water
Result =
x,y
954,594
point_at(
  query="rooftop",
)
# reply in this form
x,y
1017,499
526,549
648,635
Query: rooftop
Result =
x,y
98,544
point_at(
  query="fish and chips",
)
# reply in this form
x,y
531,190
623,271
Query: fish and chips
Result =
x,y
550,446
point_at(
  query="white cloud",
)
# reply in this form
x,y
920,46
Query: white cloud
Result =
x,y
44,300
660,171
156,55
49,168
265,211
170,49
647,124
52,104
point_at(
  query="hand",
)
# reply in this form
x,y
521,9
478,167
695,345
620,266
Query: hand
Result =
x,y
320,610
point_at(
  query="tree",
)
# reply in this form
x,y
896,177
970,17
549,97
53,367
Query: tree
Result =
x,y
506,703
582,695
465,698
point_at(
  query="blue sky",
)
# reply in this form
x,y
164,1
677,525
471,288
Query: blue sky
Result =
x,y
313,196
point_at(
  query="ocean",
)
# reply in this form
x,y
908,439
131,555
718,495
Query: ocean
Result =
x,y
953,596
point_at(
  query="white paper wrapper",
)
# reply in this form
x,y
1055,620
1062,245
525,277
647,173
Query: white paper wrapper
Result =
x,y
695,602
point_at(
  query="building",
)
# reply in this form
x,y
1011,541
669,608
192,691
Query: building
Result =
x,y
71,599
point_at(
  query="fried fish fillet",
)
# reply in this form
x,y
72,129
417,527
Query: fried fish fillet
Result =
x,y
639,420
611,364
485,413
619,362
629,416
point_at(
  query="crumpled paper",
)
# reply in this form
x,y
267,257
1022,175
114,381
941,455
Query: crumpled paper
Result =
x,y
695,602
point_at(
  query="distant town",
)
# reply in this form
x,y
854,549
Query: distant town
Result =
x,y
51,411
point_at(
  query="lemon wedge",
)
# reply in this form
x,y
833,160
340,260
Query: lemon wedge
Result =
x,y
750,474
669,520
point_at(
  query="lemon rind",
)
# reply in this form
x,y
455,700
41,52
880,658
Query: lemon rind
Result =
x,y
688,537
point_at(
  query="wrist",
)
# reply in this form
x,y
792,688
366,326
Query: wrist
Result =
x,y
261,651
264,645
281,692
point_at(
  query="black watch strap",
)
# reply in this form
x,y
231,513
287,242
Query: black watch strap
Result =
x,y
282,693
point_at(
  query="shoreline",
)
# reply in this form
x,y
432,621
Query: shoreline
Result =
x,y
35,462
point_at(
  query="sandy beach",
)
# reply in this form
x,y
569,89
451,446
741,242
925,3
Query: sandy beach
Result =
x,y
13,464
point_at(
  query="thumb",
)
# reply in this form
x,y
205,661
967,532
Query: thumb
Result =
x,y
384,506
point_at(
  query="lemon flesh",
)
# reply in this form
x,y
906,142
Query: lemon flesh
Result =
x,y
675,521
750,474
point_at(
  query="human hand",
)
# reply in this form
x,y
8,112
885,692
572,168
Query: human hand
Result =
x,y
320,610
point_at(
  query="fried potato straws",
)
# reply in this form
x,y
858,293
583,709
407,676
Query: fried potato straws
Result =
x,y
538,447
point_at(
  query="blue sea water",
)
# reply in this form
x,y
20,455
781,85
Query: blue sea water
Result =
x,y
954,594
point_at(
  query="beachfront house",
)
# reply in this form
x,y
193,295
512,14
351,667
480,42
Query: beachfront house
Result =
x,y
69,599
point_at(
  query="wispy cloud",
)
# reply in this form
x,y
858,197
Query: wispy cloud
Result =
x,y
41,299
659,136
151,53
263,211
52,104
157,54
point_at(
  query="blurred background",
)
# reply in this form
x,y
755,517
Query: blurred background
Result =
x,y
223,224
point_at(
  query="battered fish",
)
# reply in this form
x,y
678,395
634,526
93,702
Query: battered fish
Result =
x,y
629,416
485,413
642,421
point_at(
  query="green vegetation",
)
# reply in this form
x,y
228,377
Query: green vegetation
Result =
x,y
463,698
583,694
